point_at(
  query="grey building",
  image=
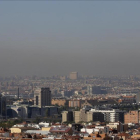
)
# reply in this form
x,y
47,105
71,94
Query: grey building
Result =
x,y
89,90
67,116
17,111
87,116
3,106
96,90
24,111
82,116
42,97
111,115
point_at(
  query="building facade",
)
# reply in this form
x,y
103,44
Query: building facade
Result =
x,y
42,97
73,75
3,112
132,117
59,102
74,103
111,115
89,90
67,116
82,116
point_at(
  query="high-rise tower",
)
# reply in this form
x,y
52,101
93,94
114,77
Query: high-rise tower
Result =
x,y
73,75
42,97
89,90
2,106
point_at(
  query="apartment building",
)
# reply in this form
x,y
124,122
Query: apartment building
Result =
x,y
42,97
111,115
74,103
132,117
59,102
82,116
67,116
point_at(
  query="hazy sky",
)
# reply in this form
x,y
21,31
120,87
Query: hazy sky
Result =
x,y
48,38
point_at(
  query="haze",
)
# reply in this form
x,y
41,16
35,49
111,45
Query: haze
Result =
x,y
48,38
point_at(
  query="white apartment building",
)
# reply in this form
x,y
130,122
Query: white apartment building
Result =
x,y
111,115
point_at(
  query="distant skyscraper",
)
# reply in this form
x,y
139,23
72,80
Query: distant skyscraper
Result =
x,y
42,97
89,90
3,106
73,75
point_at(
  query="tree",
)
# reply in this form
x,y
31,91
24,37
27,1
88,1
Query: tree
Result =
x,y
37,120
56,105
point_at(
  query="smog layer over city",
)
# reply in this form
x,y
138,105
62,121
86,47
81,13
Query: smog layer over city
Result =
x,y
69,70
54,38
